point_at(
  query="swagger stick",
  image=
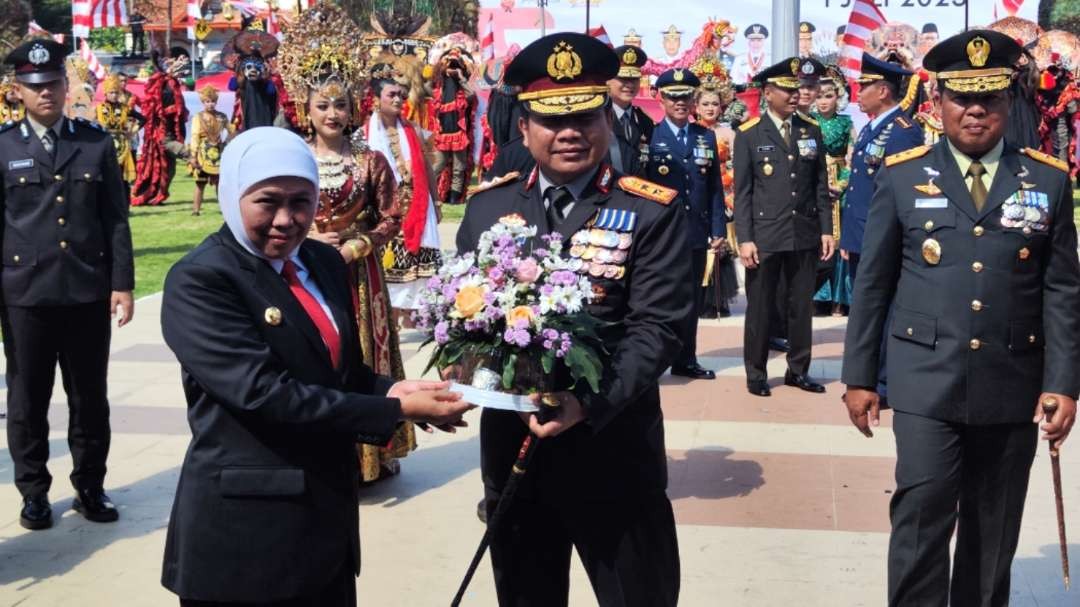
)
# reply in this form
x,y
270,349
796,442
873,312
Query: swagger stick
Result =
x,y
521,465
1049,407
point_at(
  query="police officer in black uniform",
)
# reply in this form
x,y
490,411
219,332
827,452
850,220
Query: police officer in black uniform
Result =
x,y
682,157
67,265
598,479
972,244
629,149
783,220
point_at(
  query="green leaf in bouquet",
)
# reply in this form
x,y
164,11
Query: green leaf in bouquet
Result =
x,y
508,371
584,364
436,356
548,361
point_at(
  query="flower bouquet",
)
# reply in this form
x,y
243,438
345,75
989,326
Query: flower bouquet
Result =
x,y
512,320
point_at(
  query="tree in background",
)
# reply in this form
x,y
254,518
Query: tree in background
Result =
x,y
446,15
14,25
1060,15
54,15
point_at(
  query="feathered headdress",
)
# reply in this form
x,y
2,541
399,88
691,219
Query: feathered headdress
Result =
x,y
322,51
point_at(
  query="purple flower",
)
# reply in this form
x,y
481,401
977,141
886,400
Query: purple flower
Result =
x,y
563,277
449,292
548,344
521,337
496,274
551,334
547,290
442,332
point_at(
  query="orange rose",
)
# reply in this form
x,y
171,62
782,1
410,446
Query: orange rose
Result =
x,y
519,313
469,301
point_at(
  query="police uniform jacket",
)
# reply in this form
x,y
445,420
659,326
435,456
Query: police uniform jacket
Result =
x,y
895,134
985,313
618,451
638,133
694,173
266,506
781,195
65,238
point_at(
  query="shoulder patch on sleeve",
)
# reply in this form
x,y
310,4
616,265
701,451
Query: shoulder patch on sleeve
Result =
x,y
1045,158
916,152
904,121
807,118
749,124
647,189
494,183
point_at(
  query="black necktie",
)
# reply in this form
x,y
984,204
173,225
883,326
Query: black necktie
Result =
x,y
558,199
627,127
682,137
48,141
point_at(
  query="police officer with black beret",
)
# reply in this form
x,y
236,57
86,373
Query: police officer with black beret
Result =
x,y
67,266
971,242
783,221
629,151
597,482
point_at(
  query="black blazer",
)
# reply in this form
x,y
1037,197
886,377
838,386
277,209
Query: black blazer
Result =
x,y
618,452
781,195
975,337
266,507
65,235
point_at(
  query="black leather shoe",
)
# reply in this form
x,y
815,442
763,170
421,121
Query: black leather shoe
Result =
x,y
36,512
724,311
802,382
694,371
758,388
95,506
779,344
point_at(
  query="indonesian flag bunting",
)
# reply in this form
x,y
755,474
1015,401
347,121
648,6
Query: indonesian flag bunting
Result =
x,y
193,15
37,30
272,26
87,15
487,40
601,34
1011,6
865,18
91,60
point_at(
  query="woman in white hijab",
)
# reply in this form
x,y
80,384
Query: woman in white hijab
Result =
x,y
266,507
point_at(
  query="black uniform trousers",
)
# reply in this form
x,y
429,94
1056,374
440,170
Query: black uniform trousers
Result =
x,y
340,592
687,357
798,268
35,339
944,472
628,548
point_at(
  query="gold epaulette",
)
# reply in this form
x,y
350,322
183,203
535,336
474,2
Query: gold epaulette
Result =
x,y
1045,158
903,121
494,183
749,124
808,118
647,189
906,155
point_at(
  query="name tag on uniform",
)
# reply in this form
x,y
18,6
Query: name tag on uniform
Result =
x,y
766,148
931,203
14,165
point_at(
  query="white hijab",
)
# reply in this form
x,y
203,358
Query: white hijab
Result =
x,y
256,155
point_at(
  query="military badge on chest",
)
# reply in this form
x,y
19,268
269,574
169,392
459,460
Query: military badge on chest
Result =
x,y
703,155
601,248
807,148
1027,210
661,155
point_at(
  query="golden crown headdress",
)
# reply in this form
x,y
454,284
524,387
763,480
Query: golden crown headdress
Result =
x,y
322,49
111,84
208,93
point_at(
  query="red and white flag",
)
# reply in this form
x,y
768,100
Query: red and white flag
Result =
x,y
487,40
272,26
865,18
601,34
193,15
93,14
1011,6
37,30
91,60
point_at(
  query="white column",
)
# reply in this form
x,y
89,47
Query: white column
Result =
x,y
784,32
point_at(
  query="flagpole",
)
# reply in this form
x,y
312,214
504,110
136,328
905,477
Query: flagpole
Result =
x,y
543,17
168,31
588,13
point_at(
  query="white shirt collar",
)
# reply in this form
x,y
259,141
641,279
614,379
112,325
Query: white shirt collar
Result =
x,y
675,129
619,111
876,122
279,264
576,187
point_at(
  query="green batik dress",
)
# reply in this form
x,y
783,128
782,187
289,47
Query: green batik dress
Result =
x,y
836,133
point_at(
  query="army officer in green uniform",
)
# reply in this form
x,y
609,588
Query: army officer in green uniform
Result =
x,y
973,244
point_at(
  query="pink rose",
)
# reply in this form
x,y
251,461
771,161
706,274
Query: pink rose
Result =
x,y
527,270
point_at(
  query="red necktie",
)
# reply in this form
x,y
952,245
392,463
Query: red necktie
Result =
x,y
315,311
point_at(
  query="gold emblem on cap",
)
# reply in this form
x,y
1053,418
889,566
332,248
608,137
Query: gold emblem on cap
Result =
x,y
978,51
678,76
629,57
804,28
931,251
794,67
272,316
564,63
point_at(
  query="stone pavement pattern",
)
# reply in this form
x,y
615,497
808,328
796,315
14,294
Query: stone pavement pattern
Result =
x,y
778,501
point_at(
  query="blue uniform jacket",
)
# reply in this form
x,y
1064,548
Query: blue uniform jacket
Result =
x,y
694,172
895,134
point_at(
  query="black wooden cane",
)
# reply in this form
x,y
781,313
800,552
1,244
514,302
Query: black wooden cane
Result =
x,y
517,471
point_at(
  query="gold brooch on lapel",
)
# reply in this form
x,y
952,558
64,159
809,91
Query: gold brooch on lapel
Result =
x,y
931,251
272,316
928,188
1027,186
